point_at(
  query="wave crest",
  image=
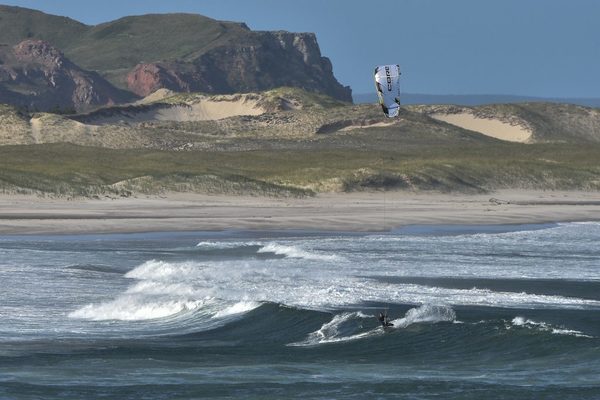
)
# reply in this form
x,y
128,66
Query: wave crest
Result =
x,y
426,314
545,327
295,252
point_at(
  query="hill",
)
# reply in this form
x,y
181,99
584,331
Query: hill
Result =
x,y
181,52
295,143
37,76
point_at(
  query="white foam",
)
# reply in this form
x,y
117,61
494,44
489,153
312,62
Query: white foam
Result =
x,y
426,314
153,288
543,326
593,223
216,245
330,286
330,331
161,270
295,252
238,308
161,289
133,308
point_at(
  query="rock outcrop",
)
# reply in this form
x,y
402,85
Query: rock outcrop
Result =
x,y
140,54
36,75
265,60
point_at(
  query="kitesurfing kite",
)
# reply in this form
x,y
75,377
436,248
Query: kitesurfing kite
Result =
x,y
387,82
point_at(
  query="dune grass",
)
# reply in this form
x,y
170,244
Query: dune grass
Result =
x,y
70,170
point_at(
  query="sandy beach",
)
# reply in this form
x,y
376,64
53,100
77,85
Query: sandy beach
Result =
x,y
326,212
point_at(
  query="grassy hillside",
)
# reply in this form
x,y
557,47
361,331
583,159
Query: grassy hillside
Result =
x,y
115,47
18,23
302,144
417,165
550,122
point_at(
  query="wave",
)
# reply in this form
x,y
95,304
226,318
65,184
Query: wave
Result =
x,y
163,270
287,251
415,293
295,285
426,314
577,223
458,230
223,245
348,326
545,327
238,308
336,330
295,252
163,289
132,308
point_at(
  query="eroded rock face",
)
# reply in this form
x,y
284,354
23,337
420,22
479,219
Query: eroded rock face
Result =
x,y
263,61
36,75
147,78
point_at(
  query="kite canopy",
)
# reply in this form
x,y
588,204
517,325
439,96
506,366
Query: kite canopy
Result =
x,y
387,83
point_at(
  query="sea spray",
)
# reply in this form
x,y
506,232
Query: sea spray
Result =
x,y
342,327
426,313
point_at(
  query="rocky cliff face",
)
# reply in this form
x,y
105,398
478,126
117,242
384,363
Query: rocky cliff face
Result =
x,y
36,75
140,54
263,61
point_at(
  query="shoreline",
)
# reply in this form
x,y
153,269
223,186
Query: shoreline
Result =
x,y
349,212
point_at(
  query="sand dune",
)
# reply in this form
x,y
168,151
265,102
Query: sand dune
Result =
x,y
155,96
201,109
487,126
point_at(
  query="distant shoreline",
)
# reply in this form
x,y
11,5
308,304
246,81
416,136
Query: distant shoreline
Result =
x,y
476,99
348,212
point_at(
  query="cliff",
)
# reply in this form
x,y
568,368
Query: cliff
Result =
x,y
181,52
36,75
265,60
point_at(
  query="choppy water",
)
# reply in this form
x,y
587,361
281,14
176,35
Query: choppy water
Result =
x,y
479,312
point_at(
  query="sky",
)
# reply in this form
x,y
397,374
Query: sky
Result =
x,y
543,48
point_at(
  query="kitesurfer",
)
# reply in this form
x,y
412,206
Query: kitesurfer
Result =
x,y
384,320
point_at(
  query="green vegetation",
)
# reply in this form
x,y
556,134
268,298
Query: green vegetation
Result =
x,y
307,100
17,23
269,99
319,145
115,47
70,170
119,45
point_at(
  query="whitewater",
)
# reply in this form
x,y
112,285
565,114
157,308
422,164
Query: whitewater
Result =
x,y
478,311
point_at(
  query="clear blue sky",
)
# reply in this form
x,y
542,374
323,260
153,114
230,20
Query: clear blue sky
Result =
x,y
547,48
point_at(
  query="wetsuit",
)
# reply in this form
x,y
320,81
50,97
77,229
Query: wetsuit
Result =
x,y
384,320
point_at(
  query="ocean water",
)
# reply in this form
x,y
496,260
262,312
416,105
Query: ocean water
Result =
x,y
484,312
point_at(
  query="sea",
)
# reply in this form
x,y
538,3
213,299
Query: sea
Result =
x,y
479,312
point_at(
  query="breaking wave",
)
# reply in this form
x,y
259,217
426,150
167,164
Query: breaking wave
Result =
x,y
348,326
295,252
426,314
544,327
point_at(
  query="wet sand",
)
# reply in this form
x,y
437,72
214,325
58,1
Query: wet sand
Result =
x,y
375,211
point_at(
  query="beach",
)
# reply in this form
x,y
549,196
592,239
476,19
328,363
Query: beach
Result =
x,y
359,211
